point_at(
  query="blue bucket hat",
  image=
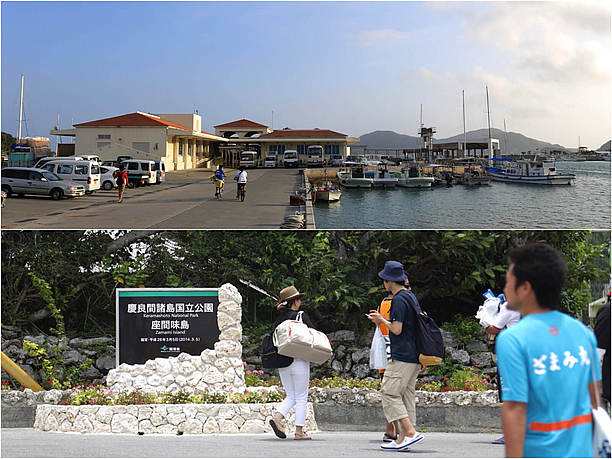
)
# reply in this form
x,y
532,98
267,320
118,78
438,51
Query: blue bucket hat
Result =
x,y
393,272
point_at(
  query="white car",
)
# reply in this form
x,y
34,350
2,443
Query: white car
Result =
x,y
270,161
107,180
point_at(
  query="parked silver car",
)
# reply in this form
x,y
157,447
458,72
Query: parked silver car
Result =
x,y
30,180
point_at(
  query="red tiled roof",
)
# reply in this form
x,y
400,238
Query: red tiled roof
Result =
x,y
241,123
133,119
303,133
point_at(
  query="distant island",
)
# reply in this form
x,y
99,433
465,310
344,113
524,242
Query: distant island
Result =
x,y
510,142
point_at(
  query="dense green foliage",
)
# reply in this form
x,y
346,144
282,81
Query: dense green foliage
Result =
x,y
7,141
464,328
55,279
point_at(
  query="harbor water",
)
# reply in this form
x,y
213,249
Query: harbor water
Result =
x,y
585,205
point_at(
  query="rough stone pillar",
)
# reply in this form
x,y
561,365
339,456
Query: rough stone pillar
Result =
x,y
214,370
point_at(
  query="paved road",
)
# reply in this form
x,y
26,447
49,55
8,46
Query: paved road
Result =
x,y
32,443
185,201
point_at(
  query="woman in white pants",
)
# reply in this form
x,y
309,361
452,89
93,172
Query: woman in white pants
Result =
x,y
296,377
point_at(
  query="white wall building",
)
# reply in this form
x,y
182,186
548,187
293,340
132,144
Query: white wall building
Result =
x,y
176,139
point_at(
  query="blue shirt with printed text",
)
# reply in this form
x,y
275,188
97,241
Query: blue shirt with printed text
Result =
x,y
547,361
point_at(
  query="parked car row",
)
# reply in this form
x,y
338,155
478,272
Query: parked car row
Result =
x,y
76,176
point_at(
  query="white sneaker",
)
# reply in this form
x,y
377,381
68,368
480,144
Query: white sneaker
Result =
x,y
405,443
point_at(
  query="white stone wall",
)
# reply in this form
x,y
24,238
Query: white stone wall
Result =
x,y
165,419
214,370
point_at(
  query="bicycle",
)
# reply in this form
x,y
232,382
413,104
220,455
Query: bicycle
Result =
x,y
218,187
242,191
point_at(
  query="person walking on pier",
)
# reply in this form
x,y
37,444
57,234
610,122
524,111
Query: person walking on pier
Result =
x,y
399,380
296,377
548,363
121,178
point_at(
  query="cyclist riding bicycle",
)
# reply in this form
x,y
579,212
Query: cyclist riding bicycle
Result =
x,y
241,177
220,174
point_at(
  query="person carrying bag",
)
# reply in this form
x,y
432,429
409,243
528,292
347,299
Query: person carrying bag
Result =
x,y
296,376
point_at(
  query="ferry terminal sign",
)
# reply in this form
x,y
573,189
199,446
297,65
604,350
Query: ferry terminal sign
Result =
x,y
163,322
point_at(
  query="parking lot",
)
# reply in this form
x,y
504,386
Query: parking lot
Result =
x,y
185,200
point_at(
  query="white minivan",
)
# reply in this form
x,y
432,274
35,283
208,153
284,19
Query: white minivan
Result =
x,y
140,172
83,172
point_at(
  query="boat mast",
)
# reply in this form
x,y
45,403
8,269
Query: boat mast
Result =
x,y
489,121
506,135
464,134
20,111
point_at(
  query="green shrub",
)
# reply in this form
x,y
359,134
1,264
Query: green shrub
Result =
x,y
368,383
256,397
215,397
464,328
134,398
433,386
180,397
58,374
468,379
91,395
445,369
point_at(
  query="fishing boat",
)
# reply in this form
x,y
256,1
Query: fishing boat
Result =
x,y
352,175
538,172
412,176
327,192
381,177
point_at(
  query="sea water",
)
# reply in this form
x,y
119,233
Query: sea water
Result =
x,y
585,205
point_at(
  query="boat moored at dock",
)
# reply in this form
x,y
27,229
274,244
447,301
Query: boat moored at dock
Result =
x,y
352,175
381,177
411,176
538,172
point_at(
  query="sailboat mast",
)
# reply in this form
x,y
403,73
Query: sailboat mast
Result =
x,y
506,136
489,121
464,134
20,111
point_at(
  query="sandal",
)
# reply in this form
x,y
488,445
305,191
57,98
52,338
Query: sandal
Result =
x,y
302,436
389,438
279,433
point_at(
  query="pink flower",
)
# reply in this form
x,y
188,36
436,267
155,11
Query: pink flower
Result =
x,y
244,364
468,380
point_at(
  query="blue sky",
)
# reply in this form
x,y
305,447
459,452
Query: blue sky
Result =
x,y
350,67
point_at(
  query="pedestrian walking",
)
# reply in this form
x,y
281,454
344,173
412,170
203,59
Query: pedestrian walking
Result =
x,y
121,178
385,310
296,377
547,362
399,380
505,318
602,332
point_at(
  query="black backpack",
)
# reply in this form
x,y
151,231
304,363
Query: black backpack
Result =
x,y
270,358
429,341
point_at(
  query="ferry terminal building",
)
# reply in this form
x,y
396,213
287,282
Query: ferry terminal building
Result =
x,y
178,140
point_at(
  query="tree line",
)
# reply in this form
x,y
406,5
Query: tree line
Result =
x,y
66,280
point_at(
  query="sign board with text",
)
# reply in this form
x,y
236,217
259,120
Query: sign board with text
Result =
x,y
163,322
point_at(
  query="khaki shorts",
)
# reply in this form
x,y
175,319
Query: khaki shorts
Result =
x,y
398,390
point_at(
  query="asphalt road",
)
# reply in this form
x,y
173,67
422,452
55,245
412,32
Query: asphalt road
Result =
x,y
33,443
185,201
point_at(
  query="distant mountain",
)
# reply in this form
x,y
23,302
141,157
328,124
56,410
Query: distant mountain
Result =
x,y
389,139
605,147
517,142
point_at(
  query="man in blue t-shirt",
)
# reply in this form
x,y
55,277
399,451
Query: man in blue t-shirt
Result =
x,y
548,362
398,385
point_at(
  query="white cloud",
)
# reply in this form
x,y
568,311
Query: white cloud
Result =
x,y
378,36
552,41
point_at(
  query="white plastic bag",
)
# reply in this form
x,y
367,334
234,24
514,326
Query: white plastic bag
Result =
x,y
602,433
378,351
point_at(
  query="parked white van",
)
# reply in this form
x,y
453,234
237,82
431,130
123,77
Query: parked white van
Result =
x,y
83,172
140,172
